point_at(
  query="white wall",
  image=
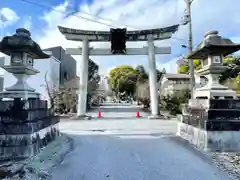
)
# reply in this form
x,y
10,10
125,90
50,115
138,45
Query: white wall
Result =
x,y
168,86
51,66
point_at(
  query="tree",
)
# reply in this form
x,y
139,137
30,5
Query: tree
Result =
x,y
93,81
232,68
123,79
52,94
143,94
184,67
92,70
67,101
160,73
142,74
61,101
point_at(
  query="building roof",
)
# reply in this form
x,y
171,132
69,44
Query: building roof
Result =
x,y
176,76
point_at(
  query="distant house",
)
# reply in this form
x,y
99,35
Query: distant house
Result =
x,y
68,68
68,71
172,82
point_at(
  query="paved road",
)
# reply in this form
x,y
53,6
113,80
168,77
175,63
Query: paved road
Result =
x,y
117,110
138,149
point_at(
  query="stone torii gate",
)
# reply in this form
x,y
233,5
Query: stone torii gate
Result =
x,y
103,36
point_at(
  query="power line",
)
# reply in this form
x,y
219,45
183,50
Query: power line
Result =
x,y
99,17
85,18
49,7
88,19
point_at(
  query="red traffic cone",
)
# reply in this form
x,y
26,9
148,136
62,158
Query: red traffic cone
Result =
x,y
138,114
99,113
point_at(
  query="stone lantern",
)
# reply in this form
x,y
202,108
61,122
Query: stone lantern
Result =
x,y
211,52
22,51
26,123
212,120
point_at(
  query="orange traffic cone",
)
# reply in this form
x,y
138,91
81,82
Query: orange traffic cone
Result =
x,y
99,113
138,114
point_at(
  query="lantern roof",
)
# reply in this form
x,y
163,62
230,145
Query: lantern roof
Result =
x,y
213,44
21,41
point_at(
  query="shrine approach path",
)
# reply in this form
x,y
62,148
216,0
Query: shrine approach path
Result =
x,y
131,149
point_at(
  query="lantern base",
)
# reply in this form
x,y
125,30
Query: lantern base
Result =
x,y
19,94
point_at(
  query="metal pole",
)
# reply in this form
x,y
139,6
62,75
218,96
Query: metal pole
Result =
x,y
190,45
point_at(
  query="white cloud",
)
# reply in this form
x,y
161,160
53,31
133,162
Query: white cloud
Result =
x,y
206,15
10,16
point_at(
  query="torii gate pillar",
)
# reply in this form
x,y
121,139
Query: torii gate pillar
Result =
x,y
83,72
153,79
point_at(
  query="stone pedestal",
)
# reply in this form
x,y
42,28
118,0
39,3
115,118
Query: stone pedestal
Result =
x,y
212,124
215,128
20,89
211,121
25,127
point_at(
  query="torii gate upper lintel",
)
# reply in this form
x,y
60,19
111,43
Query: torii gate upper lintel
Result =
x,y
103,36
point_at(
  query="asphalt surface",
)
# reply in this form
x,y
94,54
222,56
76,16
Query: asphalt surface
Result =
x,y
131,149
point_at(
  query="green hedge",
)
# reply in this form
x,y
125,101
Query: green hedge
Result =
x,y
173,102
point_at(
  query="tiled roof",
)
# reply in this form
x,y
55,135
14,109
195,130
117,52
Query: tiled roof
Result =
x,y
176,76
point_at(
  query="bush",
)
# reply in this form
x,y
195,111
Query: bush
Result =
x,y
143,94
173,102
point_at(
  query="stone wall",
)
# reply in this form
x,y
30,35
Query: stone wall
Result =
x,y
223,141
194,135
211,134
25,127
221,115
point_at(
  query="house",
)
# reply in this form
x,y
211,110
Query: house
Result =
x,y
68,70
172,82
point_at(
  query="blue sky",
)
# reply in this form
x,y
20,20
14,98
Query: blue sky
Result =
x,y
221,15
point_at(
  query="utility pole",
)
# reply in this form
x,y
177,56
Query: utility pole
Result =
x,y
188,21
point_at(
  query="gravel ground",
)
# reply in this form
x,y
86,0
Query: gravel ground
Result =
x,y
227,162
40,166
